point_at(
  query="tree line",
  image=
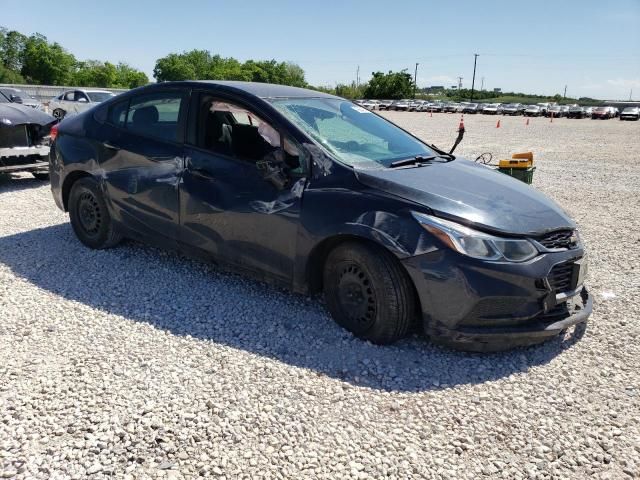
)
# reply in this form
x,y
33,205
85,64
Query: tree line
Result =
x,y
33,59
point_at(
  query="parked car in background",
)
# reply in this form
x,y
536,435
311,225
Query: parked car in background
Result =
x,y
565,110
470,108
368,104
401,105
576,112
435,107
24,139
555,111
384,104
480,107
491,109
588,111
479,259
533,111
15,95
450,107
512,109
615,111
602,113
630,113
544,107
76,101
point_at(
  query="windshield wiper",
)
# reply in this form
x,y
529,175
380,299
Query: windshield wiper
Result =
x,y
417,160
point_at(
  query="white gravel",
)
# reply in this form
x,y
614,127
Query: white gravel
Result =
x,y
136,363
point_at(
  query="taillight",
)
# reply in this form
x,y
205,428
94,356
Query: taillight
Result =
x,y
54,132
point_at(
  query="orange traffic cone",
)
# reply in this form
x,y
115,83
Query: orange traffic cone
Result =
x,y
527,121
461,126
498,124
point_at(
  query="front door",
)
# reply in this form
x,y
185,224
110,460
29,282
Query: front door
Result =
x,y
142,154
241,189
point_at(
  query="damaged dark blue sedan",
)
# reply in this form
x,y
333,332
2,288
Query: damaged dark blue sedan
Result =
x,y
313,193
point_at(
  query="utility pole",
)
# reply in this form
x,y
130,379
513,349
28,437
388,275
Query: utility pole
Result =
x,y
473,81
630,94
358,76
415,80
565,92
482,85
460,83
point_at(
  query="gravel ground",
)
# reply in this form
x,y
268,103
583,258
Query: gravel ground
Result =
x,y
136,363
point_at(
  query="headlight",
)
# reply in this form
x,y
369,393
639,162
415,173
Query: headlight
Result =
x,y
474,243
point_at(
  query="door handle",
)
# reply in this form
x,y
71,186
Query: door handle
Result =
x,y
110,146
202,173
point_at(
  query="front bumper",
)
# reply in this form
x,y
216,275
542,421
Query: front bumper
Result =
x,y
475,305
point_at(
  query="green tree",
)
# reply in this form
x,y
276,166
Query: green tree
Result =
x,y
390,85
9,76
129,77
12,45
202,65
45,63
173,67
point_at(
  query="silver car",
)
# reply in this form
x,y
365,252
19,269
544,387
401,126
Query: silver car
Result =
x,y
76,101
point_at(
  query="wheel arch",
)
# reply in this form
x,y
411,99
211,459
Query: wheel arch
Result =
x,y
69,180
318,255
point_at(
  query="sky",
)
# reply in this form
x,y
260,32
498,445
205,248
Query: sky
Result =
x,y
534,46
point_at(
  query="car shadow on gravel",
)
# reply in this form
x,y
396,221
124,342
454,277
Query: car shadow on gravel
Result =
x,y
12,183
190,298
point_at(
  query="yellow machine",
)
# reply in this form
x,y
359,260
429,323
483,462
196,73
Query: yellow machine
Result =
x,y
520,166
518,160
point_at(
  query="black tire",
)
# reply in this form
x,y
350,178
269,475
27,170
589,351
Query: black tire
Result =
x,y
44,176
368,293
59,113
89,215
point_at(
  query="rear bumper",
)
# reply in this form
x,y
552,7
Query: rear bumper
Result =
x,y
483,306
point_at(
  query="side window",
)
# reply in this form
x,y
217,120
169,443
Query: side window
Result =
x,y
118,113
156,114
81,97
69,96
229,129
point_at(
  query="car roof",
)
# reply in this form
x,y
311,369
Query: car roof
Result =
x,y
262,90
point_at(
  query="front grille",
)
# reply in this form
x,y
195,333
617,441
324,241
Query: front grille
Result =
x,y
560,277
560,239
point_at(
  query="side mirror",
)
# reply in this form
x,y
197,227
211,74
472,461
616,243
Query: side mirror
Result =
x,y
16,98
83,100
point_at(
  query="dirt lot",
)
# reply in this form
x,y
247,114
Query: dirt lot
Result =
x,y
135,363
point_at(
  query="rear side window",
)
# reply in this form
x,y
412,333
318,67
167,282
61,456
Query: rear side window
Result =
x,y
156,115
118,113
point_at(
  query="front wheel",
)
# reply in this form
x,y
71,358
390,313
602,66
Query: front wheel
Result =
x,y
89,216
59,113
368,292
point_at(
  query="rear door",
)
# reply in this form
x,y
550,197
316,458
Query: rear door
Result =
x,y
142,155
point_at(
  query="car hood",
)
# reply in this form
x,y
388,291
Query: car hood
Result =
x,y
472,194
16,114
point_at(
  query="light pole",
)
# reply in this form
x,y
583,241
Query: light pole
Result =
x,y
473,81
415,80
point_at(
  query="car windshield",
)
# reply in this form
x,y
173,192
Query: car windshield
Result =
x,y
353,134
17,93
98,97
630,109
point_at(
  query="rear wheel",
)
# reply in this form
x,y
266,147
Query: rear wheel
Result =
x,y
368,292
90,219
